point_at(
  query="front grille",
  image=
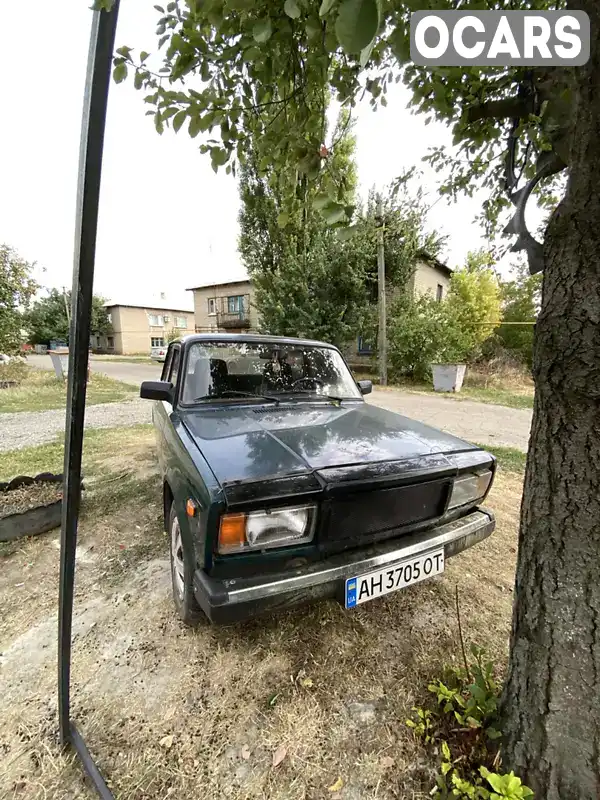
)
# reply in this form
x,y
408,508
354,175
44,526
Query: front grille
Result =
x,y
363,516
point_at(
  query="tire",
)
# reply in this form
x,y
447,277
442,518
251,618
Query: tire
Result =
x,y
182,576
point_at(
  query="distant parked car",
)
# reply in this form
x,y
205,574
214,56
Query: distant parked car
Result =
x,y
281,484
4,359
158,353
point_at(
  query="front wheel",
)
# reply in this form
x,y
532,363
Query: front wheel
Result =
x,y
182,576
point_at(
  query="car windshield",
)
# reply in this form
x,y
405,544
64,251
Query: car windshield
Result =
x,y
270,370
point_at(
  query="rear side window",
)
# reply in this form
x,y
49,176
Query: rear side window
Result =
x,y
174,365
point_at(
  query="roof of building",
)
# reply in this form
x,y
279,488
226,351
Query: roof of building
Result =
x,y
218,284
435,262
158,302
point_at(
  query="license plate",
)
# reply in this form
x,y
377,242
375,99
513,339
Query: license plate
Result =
x,y
396,576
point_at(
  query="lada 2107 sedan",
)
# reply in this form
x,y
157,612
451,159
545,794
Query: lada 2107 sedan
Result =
x,y
281,484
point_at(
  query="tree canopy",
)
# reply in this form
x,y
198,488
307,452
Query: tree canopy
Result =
x,y
48,320
262,73
17,287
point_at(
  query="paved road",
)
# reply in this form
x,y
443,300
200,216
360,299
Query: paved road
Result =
x,y
119,370
477,422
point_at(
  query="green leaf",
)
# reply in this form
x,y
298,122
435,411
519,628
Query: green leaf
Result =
x,y
262,31
120,72
158,123
334,213
138,81
292,9
124,51
143,56
321,200
179,119
326,7
195,126
283,219
365,54
357,24
446,751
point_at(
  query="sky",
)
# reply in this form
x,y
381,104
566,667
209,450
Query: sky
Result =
x,y
167,222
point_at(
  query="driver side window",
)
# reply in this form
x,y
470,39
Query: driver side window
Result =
x,y
171,367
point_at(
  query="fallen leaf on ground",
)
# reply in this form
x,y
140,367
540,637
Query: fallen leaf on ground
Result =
x,y
279,755
387,761
167,742
307,682
335,787
245,752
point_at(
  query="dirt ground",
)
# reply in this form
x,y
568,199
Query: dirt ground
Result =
x,y
171,712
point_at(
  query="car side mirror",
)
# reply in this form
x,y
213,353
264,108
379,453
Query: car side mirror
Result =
x,y
157,390
366,387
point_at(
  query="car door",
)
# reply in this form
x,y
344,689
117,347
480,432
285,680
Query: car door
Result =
x,y
163,409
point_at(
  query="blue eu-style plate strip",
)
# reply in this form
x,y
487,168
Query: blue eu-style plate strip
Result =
x,y
351,592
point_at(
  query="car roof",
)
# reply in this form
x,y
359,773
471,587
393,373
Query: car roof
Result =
x,y
251,338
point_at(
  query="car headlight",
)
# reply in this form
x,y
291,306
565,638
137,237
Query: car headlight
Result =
x,y
260,530
469,489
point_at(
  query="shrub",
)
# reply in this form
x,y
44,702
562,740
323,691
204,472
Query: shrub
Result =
x,y
462,727
423,332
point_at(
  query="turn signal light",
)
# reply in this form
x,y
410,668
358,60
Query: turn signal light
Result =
x,y
191,508
232,532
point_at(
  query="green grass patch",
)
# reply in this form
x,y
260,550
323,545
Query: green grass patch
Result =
x,y
98,444
512,398
40,390
517,397
509,458
125,359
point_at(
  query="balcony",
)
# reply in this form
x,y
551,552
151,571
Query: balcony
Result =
x,y
234,319
231,312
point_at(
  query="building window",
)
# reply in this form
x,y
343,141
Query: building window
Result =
x,y
365,348
181,322
439,294
109,317
235,304
212,306
157,341
156,320
110,342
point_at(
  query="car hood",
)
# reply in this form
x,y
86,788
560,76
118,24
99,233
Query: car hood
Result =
x,y
255,443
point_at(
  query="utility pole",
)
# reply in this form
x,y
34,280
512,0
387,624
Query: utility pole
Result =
x,y
382,335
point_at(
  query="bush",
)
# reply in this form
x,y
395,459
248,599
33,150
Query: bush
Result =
x,y
15,371
423,332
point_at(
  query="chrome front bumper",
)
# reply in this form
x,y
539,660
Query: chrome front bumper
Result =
x,y
225,601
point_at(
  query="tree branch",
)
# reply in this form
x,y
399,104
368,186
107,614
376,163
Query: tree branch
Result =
x,y
507,108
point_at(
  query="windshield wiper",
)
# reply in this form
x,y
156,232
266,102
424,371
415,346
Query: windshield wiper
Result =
x,y
331,397
234,393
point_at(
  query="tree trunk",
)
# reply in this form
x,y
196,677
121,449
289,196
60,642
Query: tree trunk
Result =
x,y
551,702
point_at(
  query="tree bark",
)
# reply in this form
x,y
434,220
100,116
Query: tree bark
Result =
x,y
551,702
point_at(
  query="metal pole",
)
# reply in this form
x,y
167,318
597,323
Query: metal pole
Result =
x,y
102,38
382,336
67,309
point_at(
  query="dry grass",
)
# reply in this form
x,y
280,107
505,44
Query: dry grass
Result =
x,y
500,384
40,390
170,712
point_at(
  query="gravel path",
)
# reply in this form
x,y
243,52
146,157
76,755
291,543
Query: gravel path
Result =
x,y
28,428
